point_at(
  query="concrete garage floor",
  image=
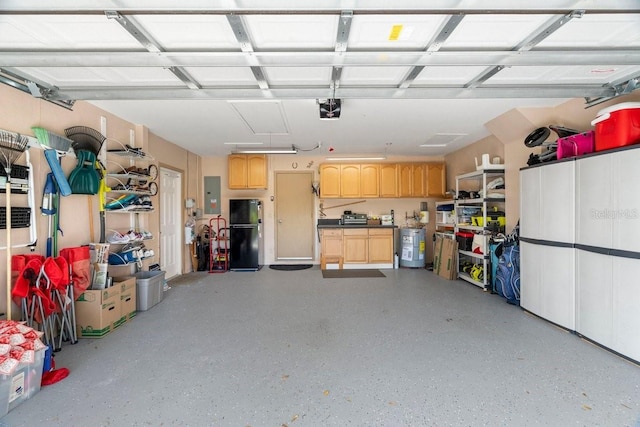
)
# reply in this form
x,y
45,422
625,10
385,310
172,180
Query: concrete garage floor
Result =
x,y
289,348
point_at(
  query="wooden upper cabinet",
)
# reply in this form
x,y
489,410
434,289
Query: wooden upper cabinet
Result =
x,y
369,181
436,180
329,180
405,179
256,171
418,174
350,180
247,171
237,171
388,180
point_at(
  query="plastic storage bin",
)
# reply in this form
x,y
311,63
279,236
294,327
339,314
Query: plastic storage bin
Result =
x,y
617,126
465,240
576,145
22,384
149,289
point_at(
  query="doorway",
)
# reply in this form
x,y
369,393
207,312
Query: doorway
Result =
x,y
294,206
170,222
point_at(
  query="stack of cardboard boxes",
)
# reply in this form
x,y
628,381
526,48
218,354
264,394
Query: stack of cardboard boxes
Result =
x,y
100,311
444,260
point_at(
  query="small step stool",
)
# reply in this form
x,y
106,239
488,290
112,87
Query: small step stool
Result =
x,y
324,260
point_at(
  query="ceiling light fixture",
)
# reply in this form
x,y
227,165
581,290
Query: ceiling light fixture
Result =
x,y
432,145
243,143
267,150
356,158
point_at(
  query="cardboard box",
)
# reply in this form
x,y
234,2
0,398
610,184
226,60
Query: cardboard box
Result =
x,y
444,261
127,287
97,312
448,263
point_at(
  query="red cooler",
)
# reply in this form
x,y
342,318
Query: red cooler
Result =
x,y
617,126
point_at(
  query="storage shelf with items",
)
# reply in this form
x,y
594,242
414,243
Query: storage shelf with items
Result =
x,y
445,216
479,212
131,184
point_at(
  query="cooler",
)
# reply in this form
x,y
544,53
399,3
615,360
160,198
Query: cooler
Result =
x,y
617,126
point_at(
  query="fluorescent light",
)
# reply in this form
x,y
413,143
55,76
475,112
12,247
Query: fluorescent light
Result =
x,y
357,158
267,150
243,143
432,145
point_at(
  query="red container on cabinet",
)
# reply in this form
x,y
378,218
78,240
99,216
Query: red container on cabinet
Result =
x,y
617,126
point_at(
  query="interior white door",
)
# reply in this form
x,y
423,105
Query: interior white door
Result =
x,y
170,222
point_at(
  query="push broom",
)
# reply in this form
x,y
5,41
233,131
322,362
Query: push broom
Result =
x,y
11,148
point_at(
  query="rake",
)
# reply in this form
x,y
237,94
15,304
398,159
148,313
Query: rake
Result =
x,y
11,148
85,138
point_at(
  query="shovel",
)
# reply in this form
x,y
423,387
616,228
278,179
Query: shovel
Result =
x,y
84,179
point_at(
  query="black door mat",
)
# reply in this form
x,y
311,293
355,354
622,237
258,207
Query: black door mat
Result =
x,y
290,267
351,274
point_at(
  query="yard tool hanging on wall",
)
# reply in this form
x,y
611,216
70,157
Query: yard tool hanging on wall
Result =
x,y
49,208
11,148
86,143
55,147
102,195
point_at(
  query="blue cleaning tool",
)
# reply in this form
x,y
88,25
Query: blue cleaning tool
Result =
x,y
58,173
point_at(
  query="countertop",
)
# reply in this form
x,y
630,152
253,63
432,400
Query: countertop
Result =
x,y
355,226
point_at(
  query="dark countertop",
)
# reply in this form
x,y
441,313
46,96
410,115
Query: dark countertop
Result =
x,y
355,226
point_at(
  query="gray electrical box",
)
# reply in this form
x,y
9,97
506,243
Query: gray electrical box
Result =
x,y
212,200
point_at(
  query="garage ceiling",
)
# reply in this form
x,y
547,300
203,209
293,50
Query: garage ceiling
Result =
x,y
413,77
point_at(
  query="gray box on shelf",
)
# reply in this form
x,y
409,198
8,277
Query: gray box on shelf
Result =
x,y
149,289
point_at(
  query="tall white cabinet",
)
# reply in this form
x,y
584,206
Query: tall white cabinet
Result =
x,y
547,230
580,246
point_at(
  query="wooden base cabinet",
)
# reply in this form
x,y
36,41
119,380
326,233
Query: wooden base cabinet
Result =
x,y
380,246
359,247
331,242
356,245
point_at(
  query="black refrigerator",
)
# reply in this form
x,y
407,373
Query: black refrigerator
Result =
x,y
244,234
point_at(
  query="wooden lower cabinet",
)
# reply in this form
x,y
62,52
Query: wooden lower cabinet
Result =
x,y
364,246
380,245
355,243
331,242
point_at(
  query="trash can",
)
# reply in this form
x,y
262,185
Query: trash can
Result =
x,y
412,247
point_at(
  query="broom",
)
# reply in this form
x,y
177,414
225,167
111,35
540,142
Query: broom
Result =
x,y
11,148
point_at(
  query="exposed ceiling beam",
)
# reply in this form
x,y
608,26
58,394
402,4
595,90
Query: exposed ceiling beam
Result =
x,y
378,7
445,31
605,55
242,36
484,92
138,32
548,28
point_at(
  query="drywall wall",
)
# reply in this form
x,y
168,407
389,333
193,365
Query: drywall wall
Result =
x,y
79,214
217,166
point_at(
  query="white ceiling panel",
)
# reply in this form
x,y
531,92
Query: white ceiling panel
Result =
x,y
555,75
222,76
298,75
494,31
447,75
262,117
393,31
63,32
597,30
359,76
104,76
190,32
292,32
438,70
